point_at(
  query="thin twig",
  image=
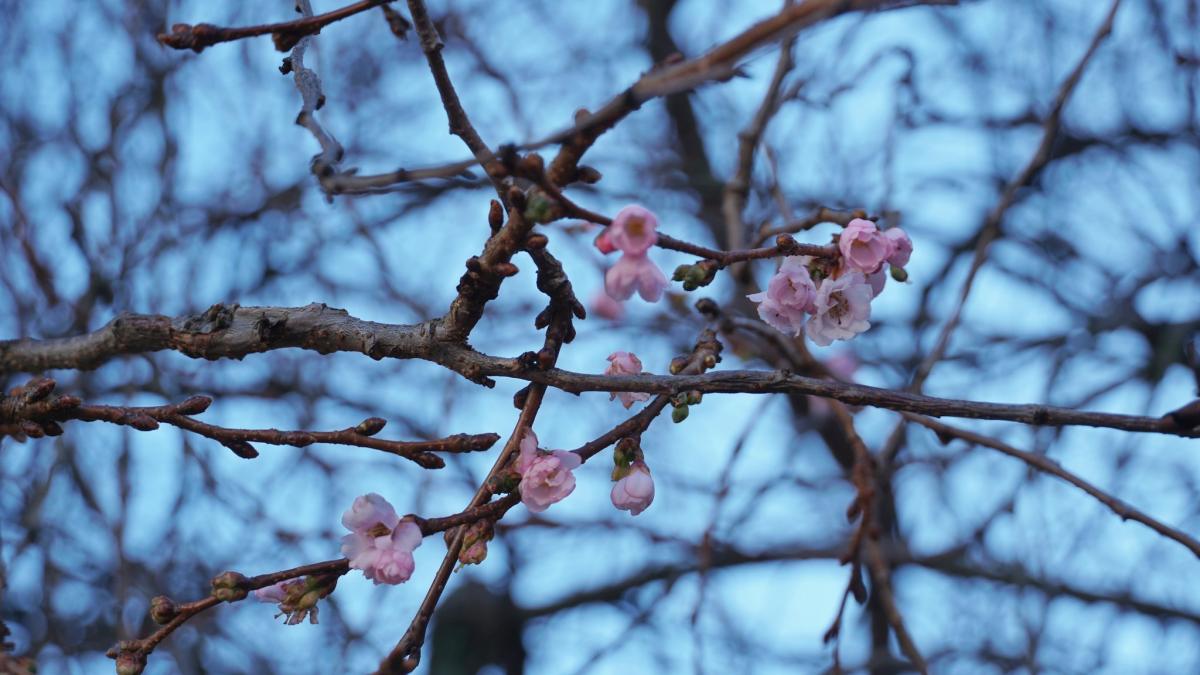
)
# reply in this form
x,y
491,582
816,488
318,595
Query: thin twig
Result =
x,y
285,34
1053,468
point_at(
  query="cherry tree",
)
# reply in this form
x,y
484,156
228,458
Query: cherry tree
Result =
x,y
729,315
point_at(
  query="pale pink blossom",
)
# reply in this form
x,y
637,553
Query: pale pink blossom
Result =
x,y
386,558
275,593
635,272
792,286
367,511
877,281
843,309
634,230
635,491
625,363
780,318
901,246
863,246
380,543
789,295
528,451
545,476
548,479
607,308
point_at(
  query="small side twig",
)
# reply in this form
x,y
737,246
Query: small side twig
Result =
x,y
285,34
34,411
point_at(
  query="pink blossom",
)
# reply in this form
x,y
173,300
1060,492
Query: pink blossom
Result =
x,y
877,281
548,479
625,363
528,451
789,295
633,231
635,272
385,558
843,308
607,308
367,511
603,243
863,246
901,246
634,492
780,318
275,593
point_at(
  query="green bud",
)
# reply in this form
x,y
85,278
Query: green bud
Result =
x,y
229,586
678,364
625,452
504,483
538,208
679,414
681,272
690,285
899,274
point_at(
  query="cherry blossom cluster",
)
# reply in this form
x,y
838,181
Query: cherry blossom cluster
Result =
x,y
832,300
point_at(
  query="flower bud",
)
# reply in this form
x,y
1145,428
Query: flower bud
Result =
x,y
370,426
194,405
131,663
229,586
626,452
539,208
678,364
163,609
679,414
241,449
899,274
495,214
587,174
141,422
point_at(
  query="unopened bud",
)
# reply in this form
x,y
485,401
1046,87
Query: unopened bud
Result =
x,y
38,388
141,422
679,414
229,586
899,274
495,214
681,273
131,663
194,405
299,439
32,429
516,197
370,426
241,449
504,482
678,364
540,208
163,609
587,174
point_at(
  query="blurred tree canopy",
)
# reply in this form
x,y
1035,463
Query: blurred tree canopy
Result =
x,y
1044,158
